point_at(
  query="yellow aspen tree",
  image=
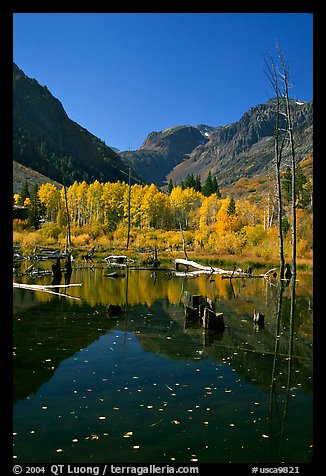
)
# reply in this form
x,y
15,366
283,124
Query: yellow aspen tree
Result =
x,y
113,203
16,198
94,194
227,220
136,212
185,203
81,196
154,207
49,196
208,211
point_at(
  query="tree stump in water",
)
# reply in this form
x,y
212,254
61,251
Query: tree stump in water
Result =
x,y
213,320
191,313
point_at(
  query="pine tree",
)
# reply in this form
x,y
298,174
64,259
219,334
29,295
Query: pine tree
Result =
x,y
231,209
25,193
170,187
216,188
34,209
198,187
211,186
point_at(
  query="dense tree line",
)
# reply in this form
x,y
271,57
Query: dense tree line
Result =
x,y
209,222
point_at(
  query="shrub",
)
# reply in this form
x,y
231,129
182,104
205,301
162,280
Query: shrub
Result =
x,y
81,240
52,230
255,234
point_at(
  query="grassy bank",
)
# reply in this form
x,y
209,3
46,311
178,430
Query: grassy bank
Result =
x,y
227,261
264,254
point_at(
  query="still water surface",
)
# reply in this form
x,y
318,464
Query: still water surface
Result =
x,y
146,387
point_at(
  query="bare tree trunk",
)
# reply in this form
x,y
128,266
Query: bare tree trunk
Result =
x,y
68,236
285,77
279,140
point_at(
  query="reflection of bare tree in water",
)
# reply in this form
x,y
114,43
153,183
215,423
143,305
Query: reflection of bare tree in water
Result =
x,y
289,369
282,418
126,311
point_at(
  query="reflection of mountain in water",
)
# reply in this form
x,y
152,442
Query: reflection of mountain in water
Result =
x,y
47,335
56,330
248,352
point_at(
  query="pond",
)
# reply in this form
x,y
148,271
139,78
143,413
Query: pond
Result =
x,y
147,386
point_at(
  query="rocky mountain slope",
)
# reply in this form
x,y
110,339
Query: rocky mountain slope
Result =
x,y
162,151
22,174
246,148
241,149
46,140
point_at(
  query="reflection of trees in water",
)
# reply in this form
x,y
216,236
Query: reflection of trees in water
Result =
x,y
279,402
64,327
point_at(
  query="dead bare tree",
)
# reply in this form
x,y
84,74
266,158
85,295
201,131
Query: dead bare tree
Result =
x,y
279,139
279,77
285,75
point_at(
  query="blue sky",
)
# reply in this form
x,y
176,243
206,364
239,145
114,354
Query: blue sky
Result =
x,y
123,75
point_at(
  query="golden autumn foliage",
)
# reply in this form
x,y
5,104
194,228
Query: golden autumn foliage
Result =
x,y
99,213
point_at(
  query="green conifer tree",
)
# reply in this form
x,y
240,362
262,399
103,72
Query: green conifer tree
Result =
x,y
34,209
25,193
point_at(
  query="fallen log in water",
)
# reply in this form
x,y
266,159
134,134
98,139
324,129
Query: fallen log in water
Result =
x,y
202,269
48,288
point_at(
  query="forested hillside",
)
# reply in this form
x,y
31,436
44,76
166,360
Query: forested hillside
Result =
x,y
46,140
